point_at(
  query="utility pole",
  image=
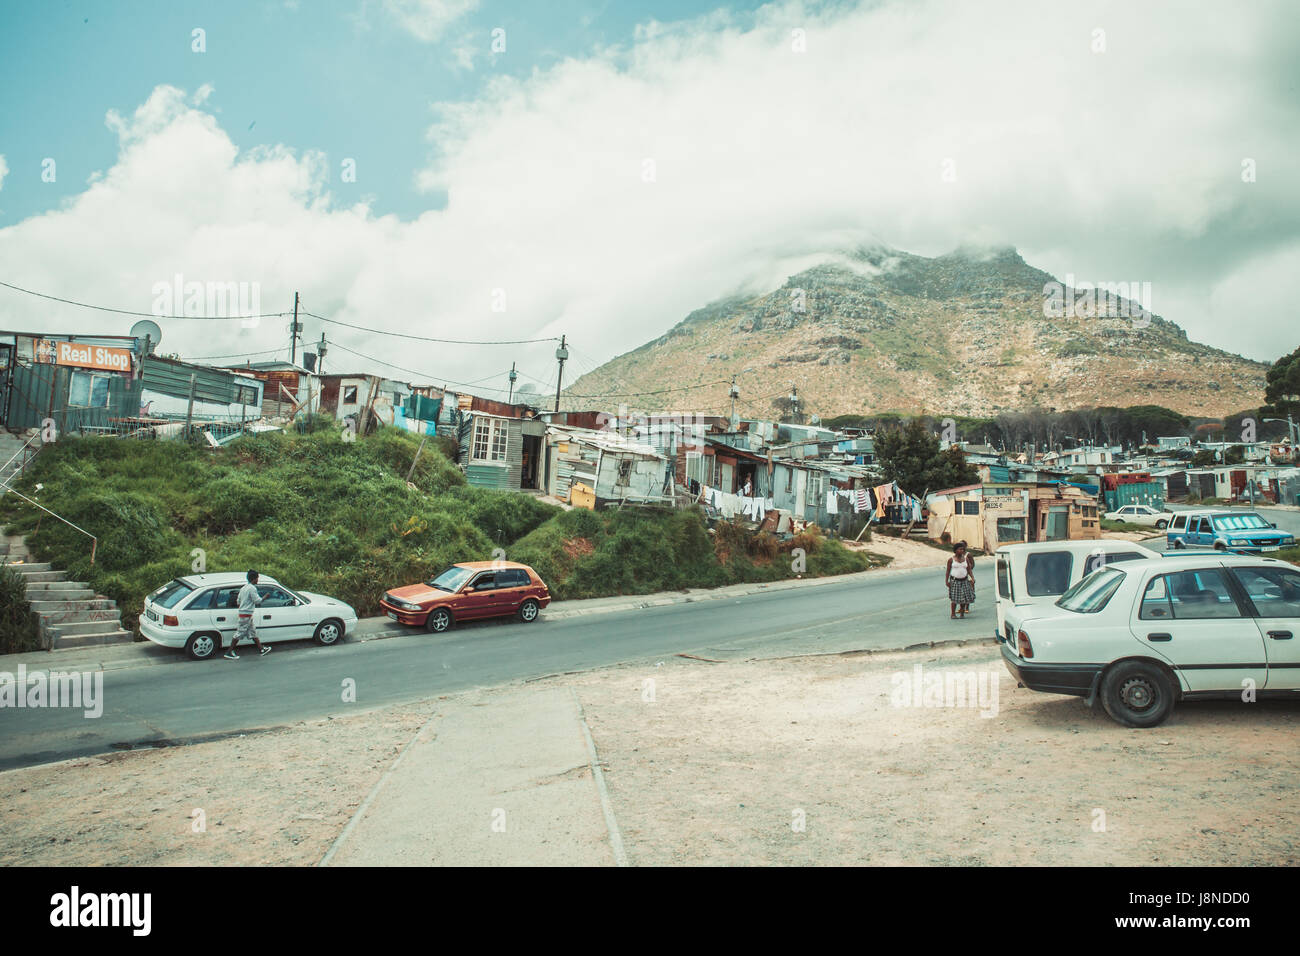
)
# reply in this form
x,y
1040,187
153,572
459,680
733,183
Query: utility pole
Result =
x,y
561,354
735,393
513,375
293,333
320,355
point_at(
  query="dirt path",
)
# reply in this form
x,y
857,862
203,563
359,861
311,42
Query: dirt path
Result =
x,y
906,554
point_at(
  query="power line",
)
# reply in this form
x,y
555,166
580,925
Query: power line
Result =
x,y
428,376
148,315
427,338
662,391
206,358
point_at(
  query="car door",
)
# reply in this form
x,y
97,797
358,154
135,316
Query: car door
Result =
x,y
1177,529
511,585
224,613
1274,592
1195,620
481,602
280,616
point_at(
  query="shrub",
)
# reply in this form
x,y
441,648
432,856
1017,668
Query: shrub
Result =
x,y
19,624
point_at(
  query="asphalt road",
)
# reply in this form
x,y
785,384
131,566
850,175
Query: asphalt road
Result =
x,y
183,703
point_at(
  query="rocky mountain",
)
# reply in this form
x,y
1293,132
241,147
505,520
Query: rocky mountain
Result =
x,y
968,333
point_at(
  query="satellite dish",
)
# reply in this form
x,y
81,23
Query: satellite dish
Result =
x,y
147,328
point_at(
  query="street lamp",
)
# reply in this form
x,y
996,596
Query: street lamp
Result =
x,y
1290,427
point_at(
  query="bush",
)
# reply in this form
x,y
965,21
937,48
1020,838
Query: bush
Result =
x,y
19,624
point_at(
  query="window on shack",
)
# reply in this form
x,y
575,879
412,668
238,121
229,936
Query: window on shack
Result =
x,y
349,394
489,440
88,391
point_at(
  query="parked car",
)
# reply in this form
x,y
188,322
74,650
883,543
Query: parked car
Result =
x,y
1140,636
1032,576
474,589
200,613
1141,514
1226,530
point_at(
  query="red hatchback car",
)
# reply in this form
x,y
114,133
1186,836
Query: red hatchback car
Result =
x,y
464,592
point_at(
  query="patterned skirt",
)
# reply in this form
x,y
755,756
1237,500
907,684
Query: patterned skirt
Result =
x,y
961,591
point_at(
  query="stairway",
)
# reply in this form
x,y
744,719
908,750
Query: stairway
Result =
x,y
72,614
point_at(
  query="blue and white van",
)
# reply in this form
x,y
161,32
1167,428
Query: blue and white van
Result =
x,y
1226,531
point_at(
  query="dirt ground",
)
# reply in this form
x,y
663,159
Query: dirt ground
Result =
x,y
807,760
274,798
720,767
906,554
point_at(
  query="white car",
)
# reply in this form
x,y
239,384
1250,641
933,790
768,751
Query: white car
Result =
x,y
1030,577
200,614
1142,635
1141,514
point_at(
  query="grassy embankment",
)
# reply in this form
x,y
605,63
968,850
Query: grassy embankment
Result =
x,y
335,517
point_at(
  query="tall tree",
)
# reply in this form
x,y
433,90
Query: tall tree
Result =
x,y
1282,387
912,456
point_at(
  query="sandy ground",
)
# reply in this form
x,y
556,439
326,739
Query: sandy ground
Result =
x,y
279,797
726,761
805,760
906,554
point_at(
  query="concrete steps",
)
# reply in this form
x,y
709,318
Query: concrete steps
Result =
x,y
72,614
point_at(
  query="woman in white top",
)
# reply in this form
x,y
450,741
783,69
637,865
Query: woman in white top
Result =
x,y
960,578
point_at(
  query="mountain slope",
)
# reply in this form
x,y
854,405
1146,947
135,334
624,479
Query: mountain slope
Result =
x,y
962,334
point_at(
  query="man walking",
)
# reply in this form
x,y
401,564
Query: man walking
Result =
x,y
249,599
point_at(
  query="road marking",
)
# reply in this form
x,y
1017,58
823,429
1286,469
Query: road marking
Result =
x,y
615,839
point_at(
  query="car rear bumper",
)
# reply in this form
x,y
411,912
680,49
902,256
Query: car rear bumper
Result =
x,y
1074,679
163,636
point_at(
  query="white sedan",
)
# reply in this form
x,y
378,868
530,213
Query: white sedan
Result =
x,y
200,613
1142,635
1141,514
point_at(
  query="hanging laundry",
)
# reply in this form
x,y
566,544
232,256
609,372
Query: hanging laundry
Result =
x,y
861,503
832,503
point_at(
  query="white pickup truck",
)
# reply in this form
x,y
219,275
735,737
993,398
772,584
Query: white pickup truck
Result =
x,y
1032,576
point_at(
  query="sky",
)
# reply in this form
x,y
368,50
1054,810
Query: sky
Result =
x,y
495,172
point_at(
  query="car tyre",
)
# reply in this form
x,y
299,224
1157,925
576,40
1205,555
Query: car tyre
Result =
x,y
1137,694
439,620
529,610
328,631
1178,544
1162,524
1220,546
203,646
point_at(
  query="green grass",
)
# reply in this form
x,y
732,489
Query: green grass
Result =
x,y
335,517
1289,554
1109,525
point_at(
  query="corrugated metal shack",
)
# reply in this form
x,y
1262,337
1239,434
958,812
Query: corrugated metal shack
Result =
x,y
617,469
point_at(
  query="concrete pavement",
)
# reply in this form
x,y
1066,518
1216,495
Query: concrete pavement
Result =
x,y
495,778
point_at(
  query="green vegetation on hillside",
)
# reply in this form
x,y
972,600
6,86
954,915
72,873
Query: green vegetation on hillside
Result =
x,y
19,626
321,514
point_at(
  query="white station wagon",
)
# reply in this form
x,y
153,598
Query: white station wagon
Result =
x,y
1032,576
200,613
1142,635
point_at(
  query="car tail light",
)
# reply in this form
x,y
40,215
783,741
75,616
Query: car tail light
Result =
x,y
170,620
1022,643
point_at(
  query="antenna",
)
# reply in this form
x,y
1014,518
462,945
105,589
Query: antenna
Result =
x,y
148,330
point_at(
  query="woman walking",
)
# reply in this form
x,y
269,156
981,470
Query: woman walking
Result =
x,y
960,577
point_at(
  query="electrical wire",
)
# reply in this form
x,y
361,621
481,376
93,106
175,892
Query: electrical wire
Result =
x,y
427,338
148,315
426,375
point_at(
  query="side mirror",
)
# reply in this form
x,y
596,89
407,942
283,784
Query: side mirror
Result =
x,y
468,590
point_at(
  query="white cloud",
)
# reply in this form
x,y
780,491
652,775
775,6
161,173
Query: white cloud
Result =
x,y
4,170
427,20
1115,166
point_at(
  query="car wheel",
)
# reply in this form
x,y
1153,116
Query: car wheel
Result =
x,y
439,620
528,611
1137,694
1178,544
1161,524
1220,546
328,632
203,646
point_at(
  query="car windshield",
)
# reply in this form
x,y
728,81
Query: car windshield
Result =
x,y
169,595
1092,593
451,579
1245,522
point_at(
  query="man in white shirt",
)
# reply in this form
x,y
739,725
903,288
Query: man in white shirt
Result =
x,y
249,599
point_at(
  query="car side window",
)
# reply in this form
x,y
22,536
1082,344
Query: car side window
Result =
x,y
204,601
274,597
514,578
1275,592
1048,572
484,582
227,599
1178,523
1188,596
